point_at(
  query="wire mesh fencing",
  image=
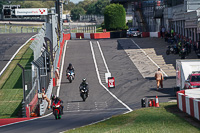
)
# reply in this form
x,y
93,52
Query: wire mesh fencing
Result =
x,y
5,29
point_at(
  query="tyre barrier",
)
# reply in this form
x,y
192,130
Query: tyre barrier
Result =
x,y
188,104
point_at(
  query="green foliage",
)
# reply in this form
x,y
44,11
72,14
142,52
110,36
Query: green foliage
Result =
x,y
76,12
91,9
33,4
69,6
115,17
85,4
98,7
1,5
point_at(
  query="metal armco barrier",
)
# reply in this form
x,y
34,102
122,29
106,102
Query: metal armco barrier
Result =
x,y
111,82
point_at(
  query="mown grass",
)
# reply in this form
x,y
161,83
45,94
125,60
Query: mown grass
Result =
x,y
145,120
11,90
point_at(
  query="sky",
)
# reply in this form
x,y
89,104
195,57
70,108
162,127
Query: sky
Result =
x,y
75,1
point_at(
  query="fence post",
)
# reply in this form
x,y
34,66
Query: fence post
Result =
x,y
27,29
5,28
32,29
24,96
22,29
10,28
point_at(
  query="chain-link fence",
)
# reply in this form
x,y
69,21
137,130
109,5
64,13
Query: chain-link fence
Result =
x,y
9,28
79,29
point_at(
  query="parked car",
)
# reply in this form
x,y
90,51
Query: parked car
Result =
x,y
193,81
131,32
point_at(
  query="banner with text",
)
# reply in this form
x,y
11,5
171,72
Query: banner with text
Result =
x,y
31,11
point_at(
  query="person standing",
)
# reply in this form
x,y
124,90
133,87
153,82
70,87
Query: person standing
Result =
x,y
163,32
44,97
57,76
159,78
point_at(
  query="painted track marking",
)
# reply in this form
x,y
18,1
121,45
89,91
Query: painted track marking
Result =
x,y
97,71
148,57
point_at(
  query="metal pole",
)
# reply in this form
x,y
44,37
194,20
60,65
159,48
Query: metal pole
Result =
x,y
23,80
39,81
24,97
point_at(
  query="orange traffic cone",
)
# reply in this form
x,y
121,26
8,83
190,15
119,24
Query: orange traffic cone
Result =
x,y
157,103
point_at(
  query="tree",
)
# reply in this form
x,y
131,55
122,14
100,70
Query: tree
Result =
x,y
1,5
91,9
97,7
69,6
114,17
76,12
85,4
100,6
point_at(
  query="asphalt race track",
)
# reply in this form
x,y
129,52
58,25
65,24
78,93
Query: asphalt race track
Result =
x,y
9,43
130,88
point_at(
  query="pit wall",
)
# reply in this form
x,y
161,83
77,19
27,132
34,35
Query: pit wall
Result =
x,y
188,104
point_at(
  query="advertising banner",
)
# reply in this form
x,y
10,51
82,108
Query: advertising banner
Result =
x,y
31,11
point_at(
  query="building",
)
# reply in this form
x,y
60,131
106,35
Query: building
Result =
x,y
183,16
146,14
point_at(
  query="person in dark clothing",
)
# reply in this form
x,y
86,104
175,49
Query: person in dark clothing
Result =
x,y
84,84
70,68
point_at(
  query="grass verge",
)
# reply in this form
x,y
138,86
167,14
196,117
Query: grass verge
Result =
x,y
145,120
11,92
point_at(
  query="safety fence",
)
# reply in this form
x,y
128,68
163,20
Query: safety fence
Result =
x,y
188,104
79,29
9,28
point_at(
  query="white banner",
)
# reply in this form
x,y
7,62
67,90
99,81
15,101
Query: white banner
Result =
x,y
31,11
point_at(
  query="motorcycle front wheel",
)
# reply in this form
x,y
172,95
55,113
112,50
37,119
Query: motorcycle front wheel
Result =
x,y
56,114
168,52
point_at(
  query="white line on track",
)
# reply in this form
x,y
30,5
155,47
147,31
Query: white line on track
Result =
x,y
15,55
97,71
148,57
61,71
57,93
75,111
103,57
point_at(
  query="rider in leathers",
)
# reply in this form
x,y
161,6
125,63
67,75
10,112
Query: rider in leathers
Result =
x,y
84,84
70,68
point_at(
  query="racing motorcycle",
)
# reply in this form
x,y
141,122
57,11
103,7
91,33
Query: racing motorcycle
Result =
x,y
183,53
84,92
171,50
57,109
70,76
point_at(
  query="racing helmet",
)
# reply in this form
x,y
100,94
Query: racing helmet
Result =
x,y
53,96
84,80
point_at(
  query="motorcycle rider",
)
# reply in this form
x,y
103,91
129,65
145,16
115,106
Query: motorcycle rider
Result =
x,y
84,84
56,100
70,68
